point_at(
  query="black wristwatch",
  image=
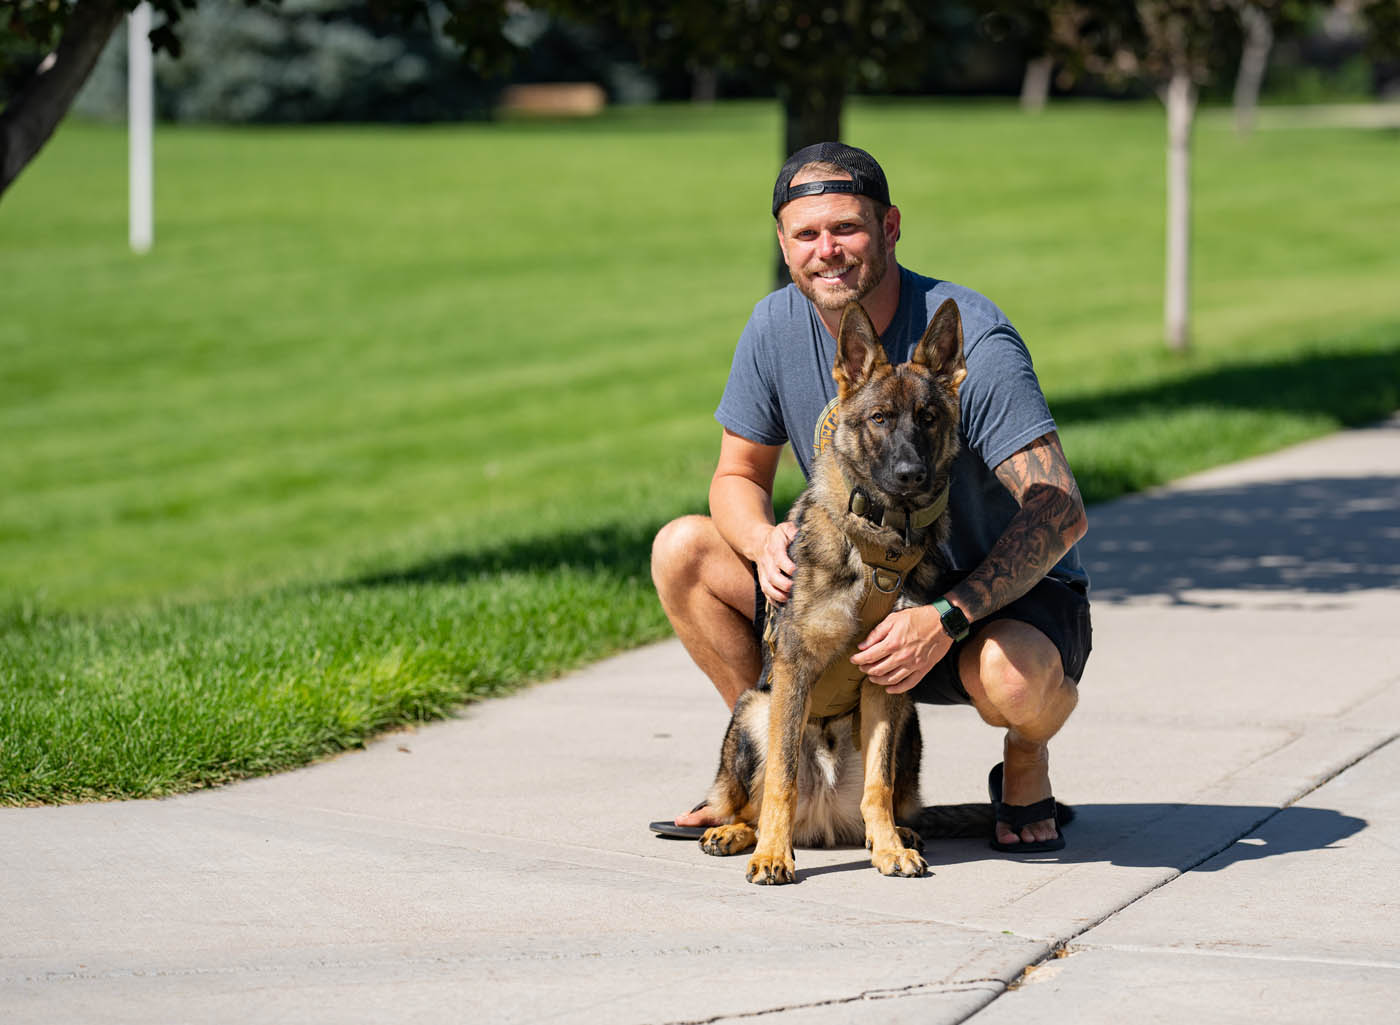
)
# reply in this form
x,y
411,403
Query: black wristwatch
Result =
x,y
955,624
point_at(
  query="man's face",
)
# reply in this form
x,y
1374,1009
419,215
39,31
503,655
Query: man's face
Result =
x,y
835,247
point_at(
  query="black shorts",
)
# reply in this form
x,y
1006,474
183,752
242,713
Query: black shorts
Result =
x,y
1057,609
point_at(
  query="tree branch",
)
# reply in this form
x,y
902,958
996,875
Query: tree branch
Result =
x,y
30,118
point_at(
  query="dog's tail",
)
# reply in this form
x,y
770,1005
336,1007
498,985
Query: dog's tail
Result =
x,y
950,821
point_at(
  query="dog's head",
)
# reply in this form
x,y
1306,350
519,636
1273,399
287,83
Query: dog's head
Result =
x,y
898,426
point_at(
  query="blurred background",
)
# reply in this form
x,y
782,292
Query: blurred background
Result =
x,y
335,60
442,298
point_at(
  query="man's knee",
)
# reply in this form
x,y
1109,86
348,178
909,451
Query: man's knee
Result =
x,y
1011,671
679,549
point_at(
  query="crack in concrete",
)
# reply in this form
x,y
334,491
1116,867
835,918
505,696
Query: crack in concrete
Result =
x,y
992,987
1063,947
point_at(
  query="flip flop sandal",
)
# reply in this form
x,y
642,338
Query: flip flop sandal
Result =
x,y
671,831
1018,816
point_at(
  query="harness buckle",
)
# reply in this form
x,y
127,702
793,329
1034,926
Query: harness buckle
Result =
x,y
886,581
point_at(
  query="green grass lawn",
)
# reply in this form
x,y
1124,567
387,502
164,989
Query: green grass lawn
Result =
x,y
386,420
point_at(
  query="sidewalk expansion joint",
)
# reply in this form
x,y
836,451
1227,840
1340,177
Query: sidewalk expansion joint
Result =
x,y
991,987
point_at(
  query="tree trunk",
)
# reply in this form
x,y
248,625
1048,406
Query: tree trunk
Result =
x,y
29,120
1258,40
704,85
811,113
1035,86
1181,111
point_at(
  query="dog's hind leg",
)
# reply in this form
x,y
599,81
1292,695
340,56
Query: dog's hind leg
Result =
x,y
881,720
739,778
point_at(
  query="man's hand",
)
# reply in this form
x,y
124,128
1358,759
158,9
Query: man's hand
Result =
x,y
775,566
902,648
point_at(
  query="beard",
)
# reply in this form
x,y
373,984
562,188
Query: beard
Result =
x,y
835,295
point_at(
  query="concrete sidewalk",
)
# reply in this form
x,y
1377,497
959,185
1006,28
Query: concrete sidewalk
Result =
x,y
1234,858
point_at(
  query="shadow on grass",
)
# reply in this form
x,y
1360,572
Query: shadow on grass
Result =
x,y
1345,388
1353,388
618,549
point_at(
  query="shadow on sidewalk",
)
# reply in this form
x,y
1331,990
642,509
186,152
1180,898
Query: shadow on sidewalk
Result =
x,y
1211,838
1322,535
1201,837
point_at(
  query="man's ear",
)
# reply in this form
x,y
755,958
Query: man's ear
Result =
x,y
941,347
891,226
858,350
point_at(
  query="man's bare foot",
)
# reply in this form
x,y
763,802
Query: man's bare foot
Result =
x,y
1026,780
700,815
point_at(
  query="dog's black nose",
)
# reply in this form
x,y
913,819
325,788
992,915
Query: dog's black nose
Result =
x,y
910,475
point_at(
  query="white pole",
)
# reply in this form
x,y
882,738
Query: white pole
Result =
x,y
140,128
1181,110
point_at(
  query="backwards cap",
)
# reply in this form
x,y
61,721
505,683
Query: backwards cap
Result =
x,y
867,179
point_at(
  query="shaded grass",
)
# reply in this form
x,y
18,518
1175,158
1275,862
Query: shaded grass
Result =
x,y
387,420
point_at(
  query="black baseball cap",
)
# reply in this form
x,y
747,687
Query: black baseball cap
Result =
x,y
867,179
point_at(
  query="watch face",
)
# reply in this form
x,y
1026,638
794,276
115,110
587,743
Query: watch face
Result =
x,y
955,622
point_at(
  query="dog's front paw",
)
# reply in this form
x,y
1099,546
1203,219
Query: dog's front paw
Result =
x,y
899,862
767,869
735,838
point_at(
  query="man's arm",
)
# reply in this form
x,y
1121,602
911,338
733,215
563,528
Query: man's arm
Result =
x,y
907,644
741,506
1050,521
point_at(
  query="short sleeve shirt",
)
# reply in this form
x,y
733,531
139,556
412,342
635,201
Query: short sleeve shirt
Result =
x,y
780,384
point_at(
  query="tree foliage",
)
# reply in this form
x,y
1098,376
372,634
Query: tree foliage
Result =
x,y
811,51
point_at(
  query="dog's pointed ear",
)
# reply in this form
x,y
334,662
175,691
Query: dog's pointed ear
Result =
x,y
858,350
941,347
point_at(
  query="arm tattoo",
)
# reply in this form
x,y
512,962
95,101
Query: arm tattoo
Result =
x,y
1050,520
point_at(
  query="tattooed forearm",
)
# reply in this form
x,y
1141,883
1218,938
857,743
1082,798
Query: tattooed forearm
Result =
x,y
1050,520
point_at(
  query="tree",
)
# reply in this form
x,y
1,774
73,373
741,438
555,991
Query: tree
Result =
x,y
68,38
811,51
48,49
1254,60
1172,45
1175,46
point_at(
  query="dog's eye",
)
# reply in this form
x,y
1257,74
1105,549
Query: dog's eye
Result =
x,y
925,417
878,417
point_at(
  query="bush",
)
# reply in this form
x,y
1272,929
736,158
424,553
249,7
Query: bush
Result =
x,y
300,60
333,60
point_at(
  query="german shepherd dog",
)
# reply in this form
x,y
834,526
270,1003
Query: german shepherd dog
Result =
x,y
817,755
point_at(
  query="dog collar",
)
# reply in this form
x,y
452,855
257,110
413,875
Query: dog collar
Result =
x,y
861,504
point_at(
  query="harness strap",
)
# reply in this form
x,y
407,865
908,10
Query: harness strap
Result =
x,y
837,690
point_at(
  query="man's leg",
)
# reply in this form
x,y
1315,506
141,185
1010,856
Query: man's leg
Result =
x,y
707,592
1016,681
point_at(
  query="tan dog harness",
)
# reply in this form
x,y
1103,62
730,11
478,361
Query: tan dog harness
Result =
x,y
837,691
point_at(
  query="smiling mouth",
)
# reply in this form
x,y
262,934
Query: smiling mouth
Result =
x,y
834,275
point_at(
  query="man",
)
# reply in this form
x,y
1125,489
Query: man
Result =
x,y
1014,634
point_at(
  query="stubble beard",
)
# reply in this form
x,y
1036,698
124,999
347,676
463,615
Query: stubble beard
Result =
x,y
869,274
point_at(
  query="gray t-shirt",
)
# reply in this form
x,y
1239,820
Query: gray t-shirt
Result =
x,y
780,384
